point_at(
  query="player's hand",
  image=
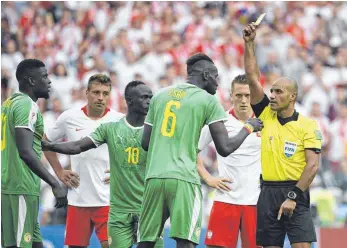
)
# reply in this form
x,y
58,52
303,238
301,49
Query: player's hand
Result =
x,y
219,183
107,179
287,208
60,196
249,32
256,123
45,145
69,178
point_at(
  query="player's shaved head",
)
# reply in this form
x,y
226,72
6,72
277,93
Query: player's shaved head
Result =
x,y
198,62
288,83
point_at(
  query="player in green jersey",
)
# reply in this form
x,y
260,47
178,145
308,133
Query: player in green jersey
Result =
x,y
127,164
171,134
21,170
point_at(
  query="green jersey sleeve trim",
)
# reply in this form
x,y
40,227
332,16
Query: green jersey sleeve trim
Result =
x,y
149,124
223,119
94,141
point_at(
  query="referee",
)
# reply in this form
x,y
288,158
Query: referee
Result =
x,y
290,151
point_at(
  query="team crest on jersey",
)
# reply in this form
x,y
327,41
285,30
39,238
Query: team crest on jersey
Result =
x,y
27,237
197,232
209,234
109,240
289,148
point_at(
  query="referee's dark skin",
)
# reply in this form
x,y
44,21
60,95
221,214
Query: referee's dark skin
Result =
x,y
282,100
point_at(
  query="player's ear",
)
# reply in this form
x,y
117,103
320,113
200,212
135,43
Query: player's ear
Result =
x,y
205,74
31,81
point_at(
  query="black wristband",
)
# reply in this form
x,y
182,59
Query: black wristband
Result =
x,y
297,191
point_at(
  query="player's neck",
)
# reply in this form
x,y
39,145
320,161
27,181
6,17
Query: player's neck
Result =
x,y
244,116
135,119
285,113
94,115
30,94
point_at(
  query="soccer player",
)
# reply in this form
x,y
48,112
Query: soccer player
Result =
x,y
235,210
171,134
89,202
127,164
290,149
21,170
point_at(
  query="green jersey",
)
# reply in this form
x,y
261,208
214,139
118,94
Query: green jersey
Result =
x,y
177,114
127,164
19,111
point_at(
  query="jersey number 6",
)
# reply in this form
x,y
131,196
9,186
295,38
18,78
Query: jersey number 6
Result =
x,y
167,129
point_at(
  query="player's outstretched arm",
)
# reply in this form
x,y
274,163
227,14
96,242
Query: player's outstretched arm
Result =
x,y
24,140
251,67
226,145
71,147
68,177
147,131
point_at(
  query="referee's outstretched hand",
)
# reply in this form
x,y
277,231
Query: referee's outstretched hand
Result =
x,y
249,32
256,123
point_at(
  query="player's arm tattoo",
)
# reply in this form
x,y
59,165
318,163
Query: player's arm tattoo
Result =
x,y
71,147
147,131
24,142
310,170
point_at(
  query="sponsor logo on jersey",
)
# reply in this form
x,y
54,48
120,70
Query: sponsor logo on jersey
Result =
x,y
27,237
289,148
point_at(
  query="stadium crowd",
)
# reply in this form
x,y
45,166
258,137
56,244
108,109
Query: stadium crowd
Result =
x,y
150,41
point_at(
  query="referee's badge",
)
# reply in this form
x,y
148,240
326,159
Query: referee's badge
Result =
x,y
289,148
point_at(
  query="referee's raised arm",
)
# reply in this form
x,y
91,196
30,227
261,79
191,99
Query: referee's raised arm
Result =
x,y
251,67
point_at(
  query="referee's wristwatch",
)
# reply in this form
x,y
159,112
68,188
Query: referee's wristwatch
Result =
x,y
292,195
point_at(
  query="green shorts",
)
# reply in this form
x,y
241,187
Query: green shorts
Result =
x,y
177,199
19,225
122,230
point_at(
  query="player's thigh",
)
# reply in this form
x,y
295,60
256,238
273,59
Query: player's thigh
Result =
x,y
223,225
19,220
79,226
121,231
270,231
248,226
300,227
99,218
185,206
154,211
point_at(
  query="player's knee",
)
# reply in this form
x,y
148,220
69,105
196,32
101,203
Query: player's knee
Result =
x,y
145,245
104,244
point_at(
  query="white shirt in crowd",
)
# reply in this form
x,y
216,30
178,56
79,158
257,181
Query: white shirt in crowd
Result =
x,y
243,166
74,124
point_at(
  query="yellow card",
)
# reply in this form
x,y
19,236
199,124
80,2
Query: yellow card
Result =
x,y
260,18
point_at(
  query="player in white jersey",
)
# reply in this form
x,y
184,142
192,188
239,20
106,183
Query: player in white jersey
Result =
x,y
235,210
89,202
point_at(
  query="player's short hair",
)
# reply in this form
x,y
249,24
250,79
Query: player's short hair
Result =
x,y
240,79
130,86
196,58
99,79
26,65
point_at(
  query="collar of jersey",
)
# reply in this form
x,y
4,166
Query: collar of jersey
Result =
x,y
284,121
131,126
232,112
23,94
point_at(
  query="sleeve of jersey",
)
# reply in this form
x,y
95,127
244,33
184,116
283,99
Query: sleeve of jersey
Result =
x,y
215,112
99,136
205,138
262,109
25,114
58,130
312,137
150,115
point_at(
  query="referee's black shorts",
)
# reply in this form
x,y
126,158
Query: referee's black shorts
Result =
x,y
270,231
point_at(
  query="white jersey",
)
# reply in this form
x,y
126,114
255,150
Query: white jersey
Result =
x,y
73,125
242,166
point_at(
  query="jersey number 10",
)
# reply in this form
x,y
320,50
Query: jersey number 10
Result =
x,y
133,155
3,131
169,115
